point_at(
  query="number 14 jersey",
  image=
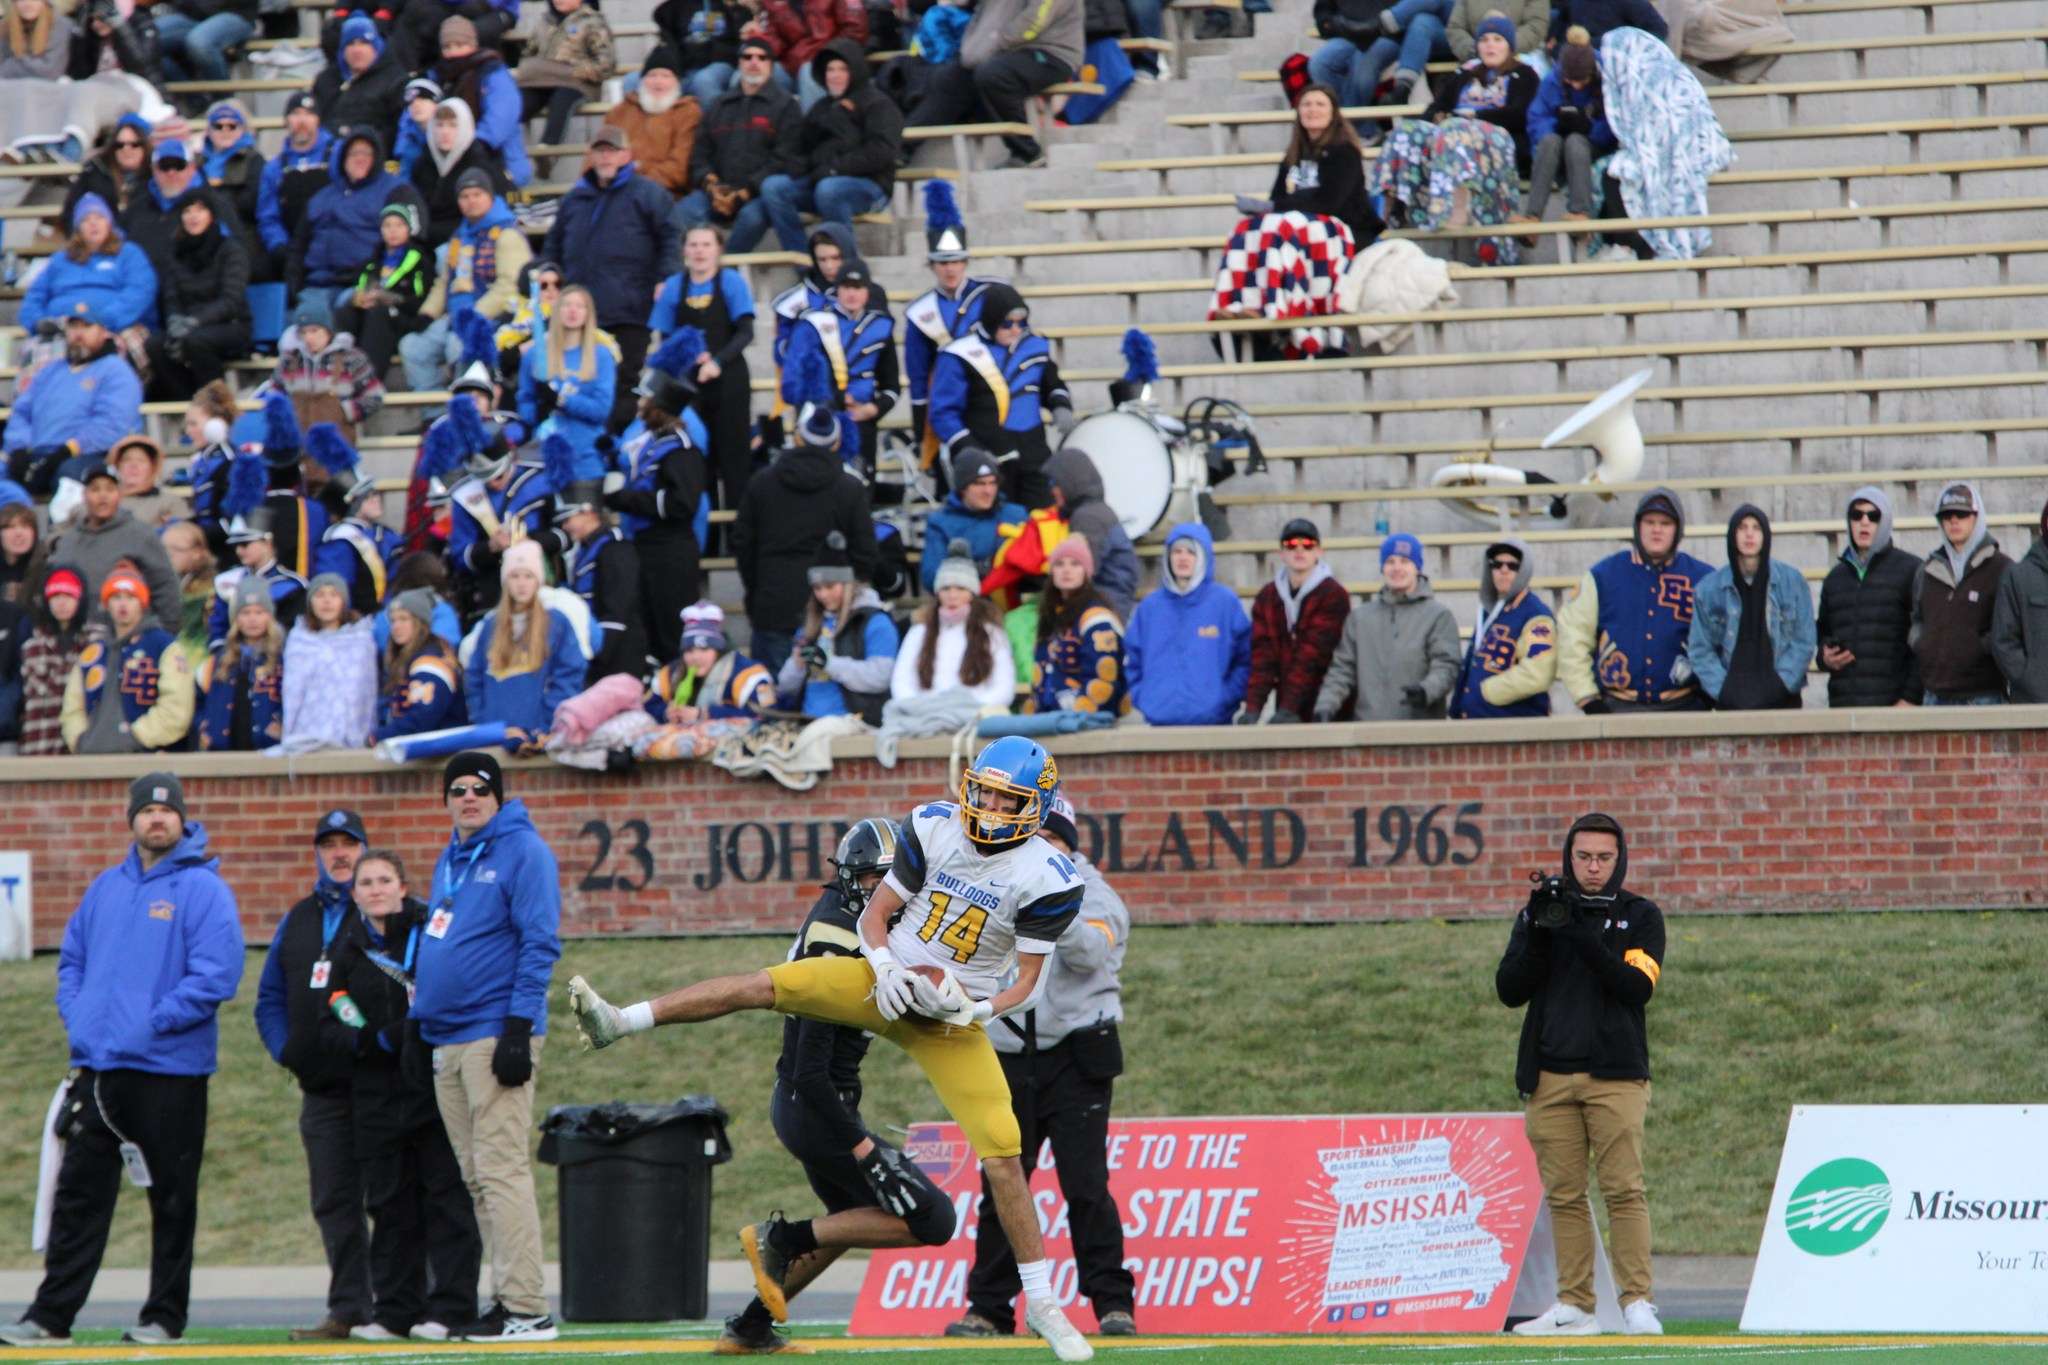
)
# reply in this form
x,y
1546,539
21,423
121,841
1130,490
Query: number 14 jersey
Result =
x,y
971,911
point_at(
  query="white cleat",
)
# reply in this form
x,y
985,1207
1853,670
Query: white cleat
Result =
x,y
1560,1320
1640,1319
598,1022
1049,1322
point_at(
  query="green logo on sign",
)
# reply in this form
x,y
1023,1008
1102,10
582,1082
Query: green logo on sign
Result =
x,y
1838,1207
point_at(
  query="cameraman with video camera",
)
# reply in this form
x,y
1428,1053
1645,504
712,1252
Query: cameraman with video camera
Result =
x,y
1584,956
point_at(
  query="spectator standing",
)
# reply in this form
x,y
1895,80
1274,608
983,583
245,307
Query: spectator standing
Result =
x,y
131,689
340,230
1399,654
845,652
106,537
853,345
482,1004
330,672
801,29
229,162
1583,1068
110,37
1512,659
1062,1059
1012,50
203,300
300,974
974,513
14,635
138,992
364,90
1752,624
1362,37
2019,622
661,501
957,641
291,178
1866,612
1567,131
714,298
392,288
846,151
524,659
1297,620
192,560
99,268
611,234
196,36
1650,588
477,76
117,173
567,385
421,1216
1077,493
477,270
452,150
660,123
256,550
241,684
747,134
1531,19
995,388
48,659
138,464
79,407
571,57
1953,601
35,42
604,570
784,519
705,36
422,675
1188,650
1077,656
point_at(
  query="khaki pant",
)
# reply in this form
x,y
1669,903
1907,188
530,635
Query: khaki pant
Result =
x,y
488,1125
1567,1118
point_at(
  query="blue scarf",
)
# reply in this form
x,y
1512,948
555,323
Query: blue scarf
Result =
x,y
214,164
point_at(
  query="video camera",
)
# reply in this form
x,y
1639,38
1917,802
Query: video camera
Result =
x,y
1554,904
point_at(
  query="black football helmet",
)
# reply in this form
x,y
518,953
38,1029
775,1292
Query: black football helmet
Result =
x,y
869,846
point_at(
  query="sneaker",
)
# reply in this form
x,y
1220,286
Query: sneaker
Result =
x,y
1118,1323
503,1327
429,1331
377,1331
770,1266
329,1328
1639,1319
29,1332
1020,162
150,1334
1389,25
1065,1339
738,1339
1559,1320
597,1020
974,1325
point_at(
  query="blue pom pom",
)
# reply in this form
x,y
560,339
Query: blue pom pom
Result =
x,y
248,482
1141,359
813,380
558,461
678,354
479,341
324,442
940,210
438,454
466,427
280,425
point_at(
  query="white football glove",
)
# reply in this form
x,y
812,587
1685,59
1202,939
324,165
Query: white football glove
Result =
x,y
895,989
948,1002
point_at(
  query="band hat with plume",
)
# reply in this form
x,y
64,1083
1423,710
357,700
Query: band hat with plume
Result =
x,y
281,443
945,232
670,380
817,422
558,463
331,450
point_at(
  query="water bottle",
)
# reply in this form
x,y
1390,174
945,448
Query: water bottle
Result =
x,y
345,1010
1379,519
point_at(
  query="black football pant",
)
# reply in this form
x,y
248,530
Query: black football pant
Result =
x,y
327,1130
1054,1101
166,1117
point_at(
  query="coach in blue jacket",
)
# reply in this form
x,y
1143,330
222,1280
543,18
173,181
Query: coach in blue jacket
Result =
x,y
150,955
493,934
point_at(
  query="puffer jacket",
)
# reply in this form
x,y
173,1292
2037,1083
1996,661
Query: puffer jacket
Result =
x,y
1866,607
340,229
1952,616
2019,625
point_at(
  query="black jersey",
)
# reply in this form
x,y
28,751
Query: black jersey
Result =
x,y
821,1062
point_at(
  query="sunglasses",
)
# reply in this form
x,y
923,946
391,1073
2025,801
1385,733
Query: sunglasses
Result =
x,y
461,789
1498,564
223,123
1953,515
754,57
1298,543
1870,514
1010,322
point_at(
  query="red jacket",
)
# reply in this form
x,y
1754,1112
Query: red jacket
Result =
x,y
1292,663
799,29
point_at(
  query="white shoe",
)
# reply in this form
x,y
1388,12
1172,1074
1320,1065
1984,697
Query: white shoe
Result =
x,y
1613,254
1065,1339
597,1021
429,1331
1639,1319
373,1331
1560,1320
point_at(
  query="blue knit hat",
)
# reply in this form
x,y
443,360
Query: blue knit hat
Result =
x,y
361,28
1496,22
1401,543
89,204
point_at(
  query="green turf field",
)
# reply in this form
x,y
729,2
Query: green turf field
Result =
x,y
1753,1015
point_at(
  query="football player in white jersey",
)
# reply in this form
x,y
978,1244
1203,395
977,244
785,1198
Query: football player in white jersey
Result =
x,y
957,934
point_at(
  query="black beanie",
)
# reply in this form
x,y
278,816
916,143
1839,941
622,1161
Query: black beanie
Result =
x,y
156,789
474,763
663,58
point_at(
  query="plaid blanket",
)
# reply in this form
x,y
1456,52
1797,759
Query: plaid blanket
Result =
x,y
1286,265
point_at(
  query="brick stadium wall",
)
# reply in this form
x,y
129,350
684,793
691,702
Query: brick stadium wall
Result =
x,y
1811,812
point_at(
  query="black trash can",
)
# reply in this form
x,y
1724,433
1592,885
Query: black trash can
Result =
x,y
635,1206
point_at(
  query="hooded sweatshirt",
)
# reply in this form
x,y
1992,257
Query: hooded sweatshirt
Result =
x,y
1866,607
784,516
1188,651
1622,636
1393,641
497,902
1513,656
1752,635
1953,603
862,141
149,957
1585,985
435,172
1079,483
2019,622
339,230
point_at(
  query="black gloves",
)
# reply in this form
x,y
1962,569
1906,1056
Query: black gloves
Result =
x,y
1596,707
814,658
1283,716
512,1059
888,1175
1573,120
1416,696
415,1058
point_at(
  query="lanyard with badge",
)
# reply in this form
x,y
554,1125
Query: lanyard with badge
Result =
x,y
401,972
324,966
444,901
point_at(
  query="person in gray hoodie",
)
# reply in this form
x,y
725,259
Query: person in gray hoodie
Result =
x,y
1011,50
1399,653
2019,621
106,533
1077,493
1952,604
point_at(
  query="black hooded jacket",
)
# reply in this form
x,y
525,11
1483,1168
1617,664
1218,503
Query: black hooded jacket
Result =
x,y
784,516
1868,610
206,277
1585,985
861,140
389,1108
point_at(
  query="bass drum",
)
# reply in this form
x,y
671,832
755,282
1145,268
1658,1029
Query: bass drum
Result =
x,y
1135,463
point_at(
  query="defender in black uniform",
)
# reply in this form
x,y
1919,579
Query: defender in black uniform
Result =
x,y
873,1195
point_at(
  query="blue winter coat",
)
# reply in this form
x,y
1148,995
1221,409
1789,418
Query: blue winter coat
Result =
x,y
528,498
497,901
339,231
120,289
615,241
1717,618
1188,653
149,956
527,700
582,406
498,126
95,405
1553,95
981,530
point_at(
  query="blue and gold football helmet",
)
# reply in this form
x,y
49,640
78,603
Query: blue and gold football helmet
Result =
x,y
1005,794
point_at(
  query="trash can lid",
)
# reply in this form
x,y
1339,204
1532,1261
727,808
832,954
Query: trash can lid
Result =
x,y
621,1121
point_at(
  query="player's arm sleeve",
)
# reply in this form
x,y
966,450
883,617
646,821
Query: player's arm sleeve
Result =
x,y
1040,924
906,874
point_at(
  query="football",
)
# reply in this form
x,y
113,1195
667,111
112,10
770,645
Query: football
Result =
x,y
935,975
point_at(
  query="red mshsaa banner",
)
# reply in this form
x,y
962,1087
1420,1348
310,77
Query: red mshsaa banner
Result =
x,y
1384,1223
